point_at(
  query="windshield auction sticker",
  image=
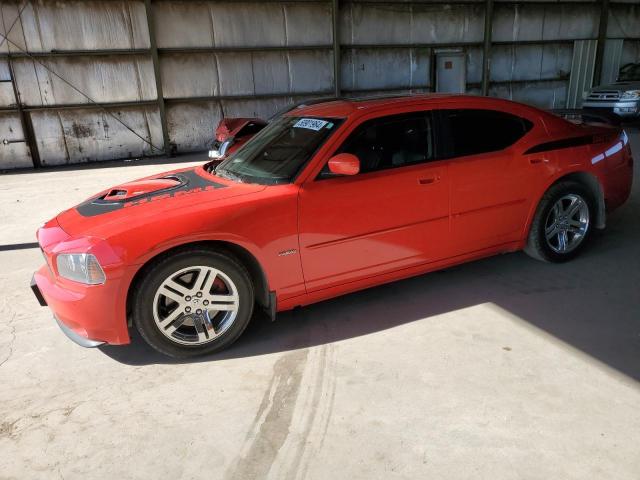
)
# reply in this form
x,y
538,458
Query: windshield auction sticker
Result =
x,y
310,123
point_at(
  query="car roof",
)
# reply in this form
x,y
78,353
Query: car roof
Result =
x,y
344,107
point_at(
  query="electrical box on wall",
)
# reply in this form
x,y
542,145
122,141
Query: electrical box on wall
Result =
x,y
450,70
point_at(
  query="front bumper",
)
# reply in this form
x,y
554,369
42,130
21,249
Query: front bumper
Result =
x,y
90,314
82,341
87,314
626,109
36,291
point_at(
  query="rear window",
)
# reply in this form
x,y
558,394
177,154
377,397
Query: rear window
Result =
x,y
472,132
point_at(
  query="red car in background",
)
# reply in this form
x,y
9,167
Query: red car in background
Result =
x,y
326,199
231,134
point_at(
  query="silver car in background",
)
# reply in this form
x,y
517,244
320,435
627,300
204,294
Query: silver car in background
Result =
x,y
621,98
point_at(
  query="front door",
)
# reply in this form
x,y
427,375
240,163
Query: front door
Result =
x,y
394,214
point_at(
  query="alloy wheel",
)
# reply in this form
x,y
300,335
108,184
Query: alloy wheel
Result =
x,y
567,223
195,305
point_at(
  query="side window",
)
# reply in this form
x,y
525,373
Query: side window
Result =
x,y
480,131
391,142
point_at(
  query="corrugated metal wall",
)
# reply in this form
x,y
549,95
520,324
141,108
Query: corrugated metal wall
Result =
x,y
236,58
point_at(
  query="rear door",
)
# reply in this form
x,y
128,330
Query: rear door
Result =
x,y
394,214
490,180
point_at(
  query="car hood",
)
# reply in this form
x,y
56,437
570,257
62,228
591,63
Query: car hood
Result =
x,y
620,86
175,192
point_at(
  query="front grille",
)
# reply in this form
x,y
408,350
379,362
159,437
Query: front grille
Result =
x,y
604,95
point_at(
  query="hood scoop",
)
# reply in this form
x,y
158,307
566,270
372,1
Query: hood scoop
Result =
x,y
148,190
139,188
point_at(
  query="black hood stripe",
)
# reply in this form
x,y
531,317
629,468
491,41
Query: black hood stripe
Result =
x,y
190,182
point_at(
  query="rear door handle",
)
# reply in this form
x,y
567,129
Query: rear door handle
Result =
x,y
429,180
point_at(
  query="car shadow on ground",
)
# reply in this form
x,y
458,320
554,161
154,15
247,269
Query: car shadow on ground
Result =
x,y
591,303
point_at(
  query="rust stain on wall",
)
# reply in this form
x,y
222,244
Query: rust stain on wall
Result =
x,y
81,131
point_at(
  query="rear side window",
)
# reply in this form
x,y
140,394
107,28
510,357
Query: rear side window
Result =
x,y
471,132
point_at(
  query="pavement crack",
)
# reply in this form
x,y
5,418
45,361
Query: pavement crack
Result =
x,y
11,341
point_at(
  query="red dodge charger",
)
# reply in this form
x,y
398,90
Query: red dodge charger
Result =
x,y
327,199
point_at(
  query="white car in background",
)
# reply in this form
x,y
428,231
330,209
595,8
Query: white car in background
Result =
x,y
621,98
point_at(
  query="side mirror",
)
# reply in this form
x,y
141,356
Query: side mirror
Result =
x,y
344,164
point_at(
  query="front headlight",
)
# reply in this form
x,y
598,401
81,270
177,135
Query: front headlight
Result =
x,y
80,267
630,95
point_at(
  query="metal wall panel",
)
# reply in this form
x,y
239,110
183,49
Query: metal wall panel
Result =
x,y
241,24
14,154
106,79
7,96
582,65
88,25
530,62
9,16
257,108
474,65
310,71
192,124
91,135
367,24
624,21
183,24
544,22
611,61
364,69
548,94
189,75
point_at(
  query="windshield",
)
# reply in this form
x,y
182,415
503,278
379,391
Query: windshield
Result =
x,y
630,72
278,153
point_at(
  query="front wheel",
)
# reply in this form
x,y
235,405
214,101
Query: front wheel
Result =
x,y
194,302
562,223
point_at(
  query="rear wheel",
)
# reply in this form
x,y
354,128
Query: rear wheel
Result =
x,y
562,223
193,303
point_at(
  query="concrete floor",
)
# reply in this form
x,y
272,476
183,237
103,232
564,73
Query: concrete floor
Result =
x,y
503,368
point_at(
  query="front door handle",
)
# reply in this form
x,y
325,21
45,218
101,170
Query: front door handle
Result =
x,y
429,180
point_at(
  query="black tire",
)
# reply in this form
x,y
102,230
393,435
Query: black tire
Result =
x,y
153,277
537,246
